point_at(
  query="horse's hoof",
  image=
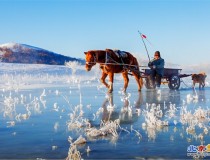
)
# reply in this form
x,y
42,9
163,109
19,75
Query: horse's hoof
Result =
x,y
110,91
124,91
139,90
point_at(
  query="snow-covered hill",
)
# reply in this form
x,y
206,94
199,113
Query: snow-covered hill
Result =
x,y
23,53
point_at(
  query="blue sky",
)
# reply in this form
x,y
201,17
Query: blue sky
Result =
x,y
179,29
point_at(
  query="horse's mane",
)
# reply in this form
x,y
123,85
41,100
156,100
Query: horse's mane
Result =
x,y
96,50
100,50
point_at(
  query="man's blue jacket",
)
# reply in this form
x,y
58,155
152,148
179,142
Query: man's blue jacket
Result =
x,y
159,65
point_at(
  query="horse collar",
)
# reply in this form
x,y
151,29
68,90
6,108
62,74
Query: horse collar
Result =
x,y
106,58
95,59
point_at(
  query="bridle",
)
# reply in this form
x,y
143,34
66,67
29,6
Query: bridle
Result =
x,y
108,60
92,63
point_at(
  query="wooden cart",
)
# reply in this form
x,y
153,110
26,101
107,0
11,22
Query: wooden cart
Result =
x,y
171,77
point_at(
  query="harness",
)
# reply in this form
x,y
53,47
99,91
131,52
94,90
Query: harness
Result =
x,y
110,61
121,55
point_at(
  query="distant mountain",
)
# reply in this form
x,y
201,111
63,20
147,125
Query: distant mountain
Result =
x,y
23,53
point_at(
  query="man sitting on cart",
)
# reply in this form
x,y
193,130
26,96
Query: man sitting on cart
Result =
x,y
157,69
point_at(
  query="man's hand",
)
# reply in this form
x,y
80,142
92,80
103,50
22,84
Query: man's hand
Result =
x,y
153,66
150,64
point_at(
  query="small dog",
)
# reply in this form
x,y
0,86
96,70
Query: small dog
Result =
x,y
199,78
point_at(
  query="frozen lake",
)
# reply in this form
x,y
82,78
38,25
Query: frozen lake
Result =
x,y
44,109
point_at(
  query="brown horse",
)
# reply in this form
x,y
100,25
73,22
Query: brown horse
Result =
x,y
110,63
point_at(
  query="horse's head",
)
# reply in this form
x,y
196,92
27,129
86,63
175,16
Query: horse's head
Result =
x,y
90,59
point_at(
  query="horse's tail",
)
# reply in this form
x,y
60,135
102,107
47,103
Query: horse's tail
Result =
x,y
134,67
134,63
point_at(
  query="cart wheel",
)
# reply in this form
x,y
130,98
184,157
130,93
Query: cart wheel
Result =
x,y
149,84
174,82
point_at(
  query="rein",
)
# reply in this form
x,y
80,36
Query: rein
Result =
x,y
119,64
107,58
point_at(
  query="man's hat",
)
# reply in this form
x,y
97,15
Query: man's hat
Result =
x,y
157,53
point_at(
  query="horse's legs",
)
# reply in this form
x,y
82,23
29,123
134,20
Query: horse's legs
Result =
x,y
103,77
203,83
193,84
126,80
139,80
140,83
111,79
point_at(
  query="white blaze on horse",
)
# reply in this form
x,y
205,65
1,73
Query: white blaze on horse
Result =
x,y
114,62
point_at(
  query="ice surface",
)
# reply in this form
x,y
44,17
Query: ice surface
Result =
x,y
42,105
